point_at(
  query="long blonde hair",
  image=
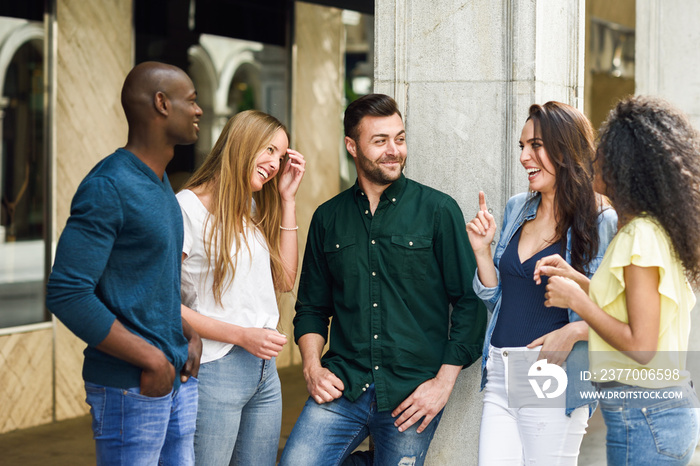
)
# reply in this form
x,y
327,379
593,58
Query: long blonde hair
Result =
x,y
226,173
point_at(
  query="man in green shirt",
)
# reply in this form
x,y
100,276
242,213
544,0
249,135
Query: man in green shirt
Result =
x,y
385,259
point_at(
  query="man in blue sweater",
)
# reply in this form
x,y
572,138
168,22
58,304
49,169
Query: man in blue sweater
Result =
x,y
116,281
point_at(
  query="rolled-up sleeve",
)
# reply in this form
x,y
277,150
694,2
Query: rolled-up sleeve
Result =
x,y
456,258
314,305
489,295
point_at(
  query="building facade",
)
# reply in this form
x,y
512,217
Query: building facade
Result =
x,y
463,72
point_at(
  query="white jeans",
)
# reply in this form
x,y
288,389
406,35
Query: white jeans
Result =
x,y
524,435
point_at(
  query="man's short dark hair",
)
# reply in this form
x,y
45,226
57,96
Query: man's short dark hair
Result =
x,y
376,105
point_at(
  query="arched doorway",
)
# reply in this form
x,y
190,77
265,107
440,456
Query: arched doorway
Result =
x,y
22,105
22,173
244,91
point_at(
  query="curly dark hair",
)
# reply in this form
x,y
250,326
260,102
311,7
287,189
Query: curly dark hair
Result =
x,y
650,161
568,138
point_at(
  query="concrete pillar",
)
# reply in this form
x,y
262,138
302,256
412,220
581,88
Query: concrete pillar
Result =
x,y
667,62
464,75
668,65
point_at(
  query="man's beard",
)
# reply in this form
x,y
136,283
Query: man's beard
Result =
x,y
373,171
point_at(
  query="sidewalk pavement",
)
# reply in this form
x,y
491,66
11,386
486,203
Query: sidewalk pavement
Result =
x,y
69,443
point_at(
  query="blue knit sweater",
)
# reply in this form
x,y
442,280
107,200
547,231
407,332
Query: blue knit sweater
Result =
x,y
119,258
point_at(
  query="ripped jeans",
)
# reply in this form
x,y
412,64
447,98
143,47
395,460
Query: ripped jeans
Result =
x,y
328,433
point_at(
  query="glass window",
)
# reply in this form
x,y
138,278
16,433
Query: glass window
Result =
x,y
236,53
22,172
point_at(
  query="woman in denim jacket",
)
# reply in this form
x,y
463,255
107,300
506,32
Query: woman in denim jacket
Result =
x,y
524,420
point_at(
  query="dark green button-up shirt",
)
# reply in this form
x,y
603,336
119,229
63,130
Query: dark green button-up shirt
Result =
x,y
388,280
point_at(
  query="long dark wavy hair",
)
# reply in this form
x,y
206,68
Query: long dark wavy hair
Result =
x,y
650,161
569,140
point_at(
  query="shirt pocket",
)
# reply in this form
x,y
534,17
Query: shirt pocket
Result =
x,y
409,256
341,252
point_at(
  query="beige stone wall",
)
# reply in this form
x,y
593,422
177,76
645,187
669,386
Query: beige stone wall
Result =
x,y
94,48
26,364
317,109
94,53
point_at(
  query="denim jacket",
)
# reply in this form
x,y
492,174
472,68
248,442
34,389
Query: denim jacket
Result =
x,y
519,209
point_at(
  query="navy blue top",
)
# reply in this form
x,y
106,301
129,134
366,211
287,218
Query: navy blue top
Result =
x,y
119,257
524,316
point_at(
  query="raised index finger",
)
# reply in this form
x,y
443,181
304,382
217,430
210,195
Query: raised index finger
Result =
x,y
482,201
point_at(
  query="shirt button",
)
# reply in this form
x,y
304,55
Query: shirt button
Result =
x,y
374,274
376,336
374,305
366,211
367,385
337,246
644,410
372,241
505,353
393,199
410,243
376,368
364,389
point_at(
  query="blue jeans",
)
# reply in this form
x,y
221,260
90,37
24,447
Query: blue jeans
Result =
x,y
326,434
650,426
131,429
240,411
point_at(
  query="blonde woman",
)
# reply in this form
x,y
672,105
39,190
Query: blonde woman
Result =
x,y
240,248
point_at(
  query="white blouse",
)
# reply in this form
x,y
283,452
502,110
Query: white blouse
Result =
x,y
249,301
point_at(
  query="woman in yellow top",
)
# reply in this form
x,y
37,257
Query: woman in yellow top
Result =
x,y
638,303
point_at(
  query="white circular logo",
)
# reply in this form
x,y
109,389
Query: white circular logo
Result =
x,y
543,370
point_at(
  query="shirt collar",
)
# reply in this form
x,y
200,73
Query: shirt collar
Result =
x,y
392,194
532,203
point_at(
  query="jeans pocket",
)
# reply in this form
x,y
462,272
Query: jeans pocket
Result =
x,y
96,398
673,426
135,393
